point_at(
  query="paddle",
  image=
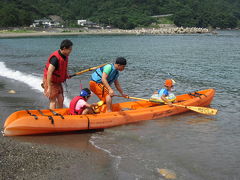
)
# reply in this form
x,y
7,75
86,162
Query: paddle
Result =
x,y
86,70
128,97
202,110
96,108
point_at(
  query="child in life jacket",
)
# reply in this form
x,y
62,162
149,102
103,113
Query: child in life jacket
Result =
x,y
79,104
165,95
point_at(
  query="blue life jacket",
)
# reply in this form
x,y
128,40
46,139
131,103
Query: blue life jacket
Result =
x,y
112,76
163,91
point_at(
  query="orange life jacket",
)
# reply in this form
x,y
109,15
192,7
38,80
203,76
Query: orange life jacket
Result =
x,y
59,75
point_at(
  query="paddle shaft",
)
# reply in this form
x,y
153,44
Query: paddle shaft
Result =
x,y
86,70
141,99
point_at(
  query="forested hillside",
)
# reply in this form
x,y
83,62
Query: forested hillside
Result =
x,y
125,14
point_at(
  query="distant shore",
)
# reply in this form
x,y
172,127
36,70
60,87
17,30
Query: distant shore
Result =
x,y
76,31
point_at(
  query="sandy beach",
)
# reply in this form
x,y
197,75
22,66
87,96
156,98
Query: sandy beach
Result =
x,y
51,156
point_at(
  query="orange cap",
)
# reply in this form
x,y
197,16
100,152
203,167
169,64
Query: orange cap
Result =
x,y
168,83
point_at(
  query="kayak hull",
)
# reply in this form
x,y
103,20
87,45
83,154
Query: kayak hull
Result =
x,y
45,121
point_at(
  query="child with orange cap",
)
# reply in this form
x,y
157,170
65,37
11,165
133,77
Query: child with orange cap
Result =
x,y
165,95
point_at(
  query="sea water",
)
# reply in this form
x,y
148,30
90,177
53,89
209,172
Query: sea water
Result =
x,y
192,145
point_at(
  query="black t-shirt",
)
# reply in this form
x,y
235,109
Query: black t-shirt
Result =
x,y
54,60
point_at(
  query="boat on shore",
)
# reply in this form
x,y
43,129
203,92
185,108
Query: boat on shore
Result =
x,y
28,122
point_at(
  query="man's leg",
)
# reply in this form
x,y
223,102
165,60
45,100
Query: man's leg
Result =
x,y
52,104
109,103
102,93
52,99
60,99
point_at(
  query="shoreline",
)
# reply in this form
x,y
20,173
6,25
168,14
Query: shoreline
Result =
x,y
76,31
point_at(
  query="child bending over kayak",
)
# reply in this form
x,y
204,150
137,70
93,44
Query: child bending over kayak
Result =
x,y
79,104
165,95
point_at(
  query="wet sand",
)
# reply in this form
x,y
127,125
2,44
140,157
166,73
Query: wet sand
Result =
x,y
52,156
21,158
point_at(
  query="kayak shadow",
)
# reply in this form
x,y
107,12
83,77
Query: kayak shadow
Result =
x,y
78,140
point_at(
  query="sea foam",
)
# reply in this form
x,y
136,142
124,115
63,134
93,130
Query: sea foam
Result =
x,y
33,81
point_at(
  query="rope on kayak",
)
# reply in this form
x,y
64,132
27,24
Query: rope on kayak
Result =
x,y
49,117
56,114
200,94
88,121
196,94
34,115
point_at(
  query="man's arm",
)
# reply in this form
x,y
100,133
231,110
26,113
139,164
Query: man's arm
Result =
x,y
117,85
119,88
51,68
105,83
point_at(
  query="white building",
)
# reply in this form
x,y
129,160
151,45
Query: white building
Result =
x,y
45,23
87,23
82,22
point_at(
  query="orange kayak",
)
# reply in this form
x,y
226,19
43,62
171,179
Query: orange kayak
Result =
x,y
28,122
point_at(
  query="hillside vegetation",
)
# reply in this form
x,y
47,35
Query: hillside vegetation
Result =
x,y
124,14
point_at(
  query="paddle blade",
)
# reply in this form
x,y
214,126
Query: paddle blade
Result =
x,y
203,110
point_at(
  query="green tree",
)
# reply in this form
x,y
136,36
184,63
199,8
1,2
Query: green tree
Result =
x,y
125,14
